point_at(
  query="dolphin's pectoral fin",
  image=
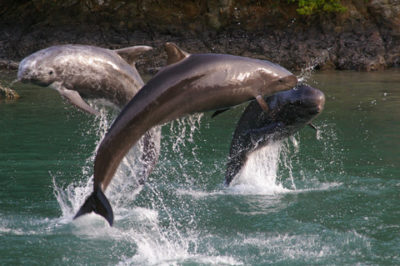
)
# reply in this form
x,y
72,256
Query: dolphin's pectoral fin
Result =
x,y
313,127
263,104
98,203
174,53
131,54
74,98
220,111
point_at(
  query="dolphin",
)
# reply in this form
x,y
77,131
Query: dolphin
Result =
x,y
90,72
83,71
289,112
191,83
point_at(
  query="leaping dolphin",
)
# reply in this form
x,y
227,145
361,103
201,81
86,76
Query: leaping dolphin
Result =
x,y
191,83
83,71
90,72
289,112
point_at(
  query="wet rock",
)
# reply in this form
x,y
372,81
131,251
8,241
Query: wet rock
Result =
x,y
8,64
7,93
378,63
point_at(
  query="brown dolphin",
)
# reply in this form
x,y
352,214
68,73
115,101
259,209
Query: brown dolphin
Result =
x,y
192,83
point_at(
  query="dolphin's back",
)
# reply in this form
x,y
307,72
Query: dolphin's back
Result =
x,y
216,73
200,82
101,72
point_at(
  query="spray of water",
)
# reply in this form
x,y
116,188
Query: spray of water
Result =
x,y
180,141
125,185
157,234
307,71
157,230
259,174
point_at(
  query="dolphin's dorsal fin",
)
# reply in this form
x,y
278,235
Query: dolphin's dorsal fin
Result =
x,y
174,53
131,54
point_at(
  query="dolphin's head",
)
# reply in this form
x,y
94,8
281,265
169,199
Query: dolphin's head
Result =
x,y
37,68
298,106
276,78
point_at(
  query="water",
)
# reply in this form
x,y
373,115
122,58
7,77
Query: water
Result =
x,y
327,199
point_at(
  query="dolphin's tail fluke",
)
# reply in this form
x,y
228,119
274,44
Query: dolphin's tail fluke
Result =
x,y
98,203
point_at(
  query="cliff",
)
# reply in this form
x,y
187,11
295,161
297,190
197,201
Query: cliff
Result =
x,y
366,36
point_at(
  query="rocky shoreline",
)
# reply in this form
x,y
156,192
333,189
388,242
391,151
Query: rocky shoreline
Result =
x,y
366,37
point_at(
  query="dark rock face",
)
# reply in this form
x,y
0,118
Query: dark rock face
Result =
x,y
365,37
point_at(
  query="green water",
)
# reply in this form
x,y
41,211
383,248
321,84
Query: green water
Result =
x,y
334,199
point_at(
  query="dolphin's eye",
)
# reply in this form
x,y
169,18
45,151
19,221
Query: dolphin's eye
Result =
x,y
280,80
51,72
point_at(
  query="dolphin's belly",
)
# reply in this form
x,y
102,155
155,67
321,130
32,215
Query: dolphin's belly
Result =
x,y
114,88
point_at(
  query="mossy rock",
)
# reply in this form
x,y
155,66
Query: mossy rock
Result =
x,y
7,93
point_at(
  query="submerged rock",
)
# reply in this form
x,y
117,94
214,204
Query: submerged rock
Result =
x,y
7,93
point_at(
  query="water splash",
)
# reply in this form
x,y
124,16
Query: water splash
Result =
x,y
71,197
309,69
182,130
276,168
164,230
181,150
125,185
155,231
259,174
287,157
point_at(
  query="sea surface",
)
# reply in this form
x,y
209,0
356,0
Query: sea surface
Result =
x,y
328,198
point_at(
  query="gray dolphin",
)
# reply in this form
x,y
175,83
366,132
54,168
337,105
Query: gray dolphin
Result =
x,y
190,84
82,71
289,112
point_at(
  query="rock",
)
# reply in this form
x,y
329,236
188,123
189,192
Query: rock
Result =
x,y
7,93
8,64
365,37
386,13
375,64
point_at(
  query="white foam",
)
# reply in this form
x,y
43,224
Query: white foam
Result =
x,y
156,244
198,194
259,174
154,231
12,231
186,259
71,197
